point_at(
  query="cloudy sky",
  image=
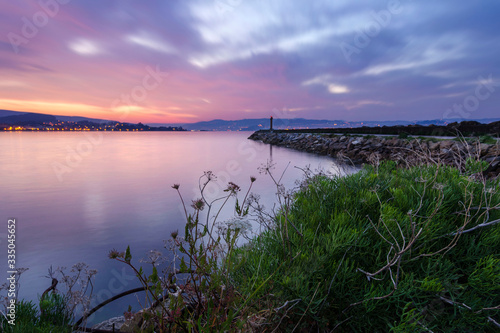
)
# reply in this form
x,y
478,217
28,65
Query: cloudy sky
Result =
x,y
193,60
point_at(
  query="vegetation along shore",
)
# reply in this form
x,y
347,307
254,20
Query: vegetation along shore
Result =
x,y
402,149
407,244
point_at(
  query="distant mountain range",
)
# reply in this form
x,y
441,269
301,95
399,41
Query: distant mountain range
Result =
x,y
28,121
13,117
301,123
31,115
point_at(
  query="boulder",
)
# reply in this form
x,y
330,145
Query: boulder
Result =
x,y
108,324
359,149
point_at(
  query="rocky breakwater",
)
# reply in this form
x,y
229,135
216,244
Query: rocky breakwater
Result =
x,y
370,149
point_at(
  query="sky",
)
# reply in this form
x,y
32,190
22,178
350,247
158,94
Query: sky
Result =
x,y
184,61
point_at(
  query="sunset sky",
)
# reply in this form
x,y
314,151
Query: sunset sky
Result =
x,y
181,61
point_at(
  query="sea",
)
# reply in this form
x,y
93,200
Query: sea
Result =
x,y
75,196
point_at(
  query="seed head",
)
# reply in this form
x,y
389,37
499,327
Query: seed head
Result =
x,y
174,234
113,254
232,187
198,204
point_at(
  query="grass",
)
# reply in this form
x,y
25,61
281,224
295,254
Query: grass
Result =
x,y
379,250
52,318
488,139
385,249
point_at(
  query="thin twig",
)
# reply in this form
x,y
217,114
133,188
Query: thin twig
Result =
x,y
482,225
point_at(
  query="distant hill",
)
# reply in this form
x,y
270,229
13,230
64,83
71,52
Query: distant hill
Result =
x,y
77,119
263,123
27,118
33,115
301,123
465,128
5,113
22,121
245,124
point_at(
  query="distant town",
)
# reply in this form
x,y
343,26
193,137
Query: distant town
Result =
x,y
28,121
33,122
88,126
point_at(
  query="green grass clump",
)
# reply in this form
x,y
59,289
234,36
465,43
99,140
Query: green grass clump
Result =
x,y
487,139
429,139
53,317
378,251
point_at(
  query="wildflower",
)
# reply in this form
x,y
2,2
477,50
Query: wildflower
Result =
x,y
267,168
174,234
128,315
21,270
113,254
66,279
240,224
155,257
92,272
176,186
198,204
252,179
210,175
232,187
78,267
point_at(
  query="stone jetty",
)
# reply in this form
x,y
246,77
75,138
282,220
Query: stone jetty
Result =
x,y
371,149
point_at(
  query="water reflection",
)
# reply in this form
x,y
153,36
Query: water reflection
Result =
x,y
119,193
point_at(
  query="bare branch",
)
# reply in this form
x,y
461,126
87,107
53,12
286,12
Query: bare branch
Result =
x,y
482,225
494,322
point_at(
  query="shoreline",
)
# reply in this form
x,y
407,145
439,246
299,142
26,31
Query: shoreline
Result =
x,y
372,149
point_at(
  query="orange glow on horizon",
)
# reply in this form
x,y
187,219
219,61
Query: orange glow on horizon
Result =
x,y
135,114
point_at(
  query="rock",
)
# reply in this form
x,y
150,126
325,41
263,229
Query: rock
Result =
x,y
491,159
134,324
359,149
108,324
494,162
483,148
494,149
433,145
445,144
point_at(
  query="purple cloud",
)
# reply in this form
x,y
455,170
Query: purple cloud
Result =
x,y
369,60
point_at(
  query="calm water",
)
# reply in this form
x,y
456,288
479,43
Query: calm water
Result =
x,y
78,195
